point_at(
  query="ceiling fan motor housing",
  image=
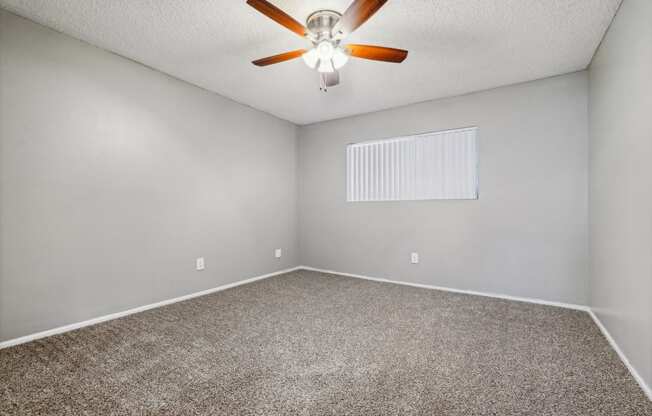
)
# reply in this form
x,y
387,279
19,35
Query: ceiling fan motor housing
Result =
x,y
320,24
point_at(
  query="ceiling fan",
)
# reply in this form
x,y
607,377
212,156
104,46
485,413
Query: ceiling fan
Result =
x,y
326,29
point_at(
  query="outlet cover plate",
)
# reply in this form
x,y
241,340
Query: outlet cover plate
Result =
x,y
200,264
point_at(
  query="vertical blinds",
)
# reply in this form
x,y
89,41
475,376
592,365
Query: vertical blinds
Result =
x,y
440,165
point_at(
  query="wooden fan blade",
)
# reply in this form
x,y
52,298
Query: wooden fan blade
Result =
x,y
358,12
377,53
282,57
278,15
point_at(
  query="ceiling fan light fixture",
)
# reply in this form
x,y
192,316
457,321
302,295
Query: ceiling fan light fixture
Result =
x,y
325,60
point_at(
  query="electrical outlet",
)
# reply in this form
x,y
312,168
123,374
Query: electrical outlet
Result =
x,y
278,253
414,258
199,263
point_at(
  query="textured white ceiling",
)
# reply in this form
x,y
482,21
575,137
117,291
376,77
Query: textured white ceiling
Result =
x,y
456,46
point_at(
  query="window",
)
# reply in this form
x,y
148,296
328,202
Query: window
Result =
x,y
440,165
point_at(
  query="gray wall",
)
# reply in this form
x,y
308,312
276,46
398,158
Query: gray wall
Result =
x,y
115,177
525,236
621,183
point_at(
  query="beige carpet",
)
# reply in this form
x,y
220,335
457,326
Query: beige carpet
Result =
x,y
311,344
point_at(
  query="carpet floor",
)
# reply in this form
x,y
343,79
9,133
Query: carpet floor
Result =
x,y
306,343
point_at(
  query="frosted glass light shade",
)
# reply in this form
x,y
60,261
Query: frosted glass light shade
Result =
x,y
311,58
340,58
325,50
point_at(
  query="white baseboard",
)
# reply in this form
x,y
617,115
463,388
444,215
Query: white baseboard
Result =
x,y
448,289
612,342
623,357
77,325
